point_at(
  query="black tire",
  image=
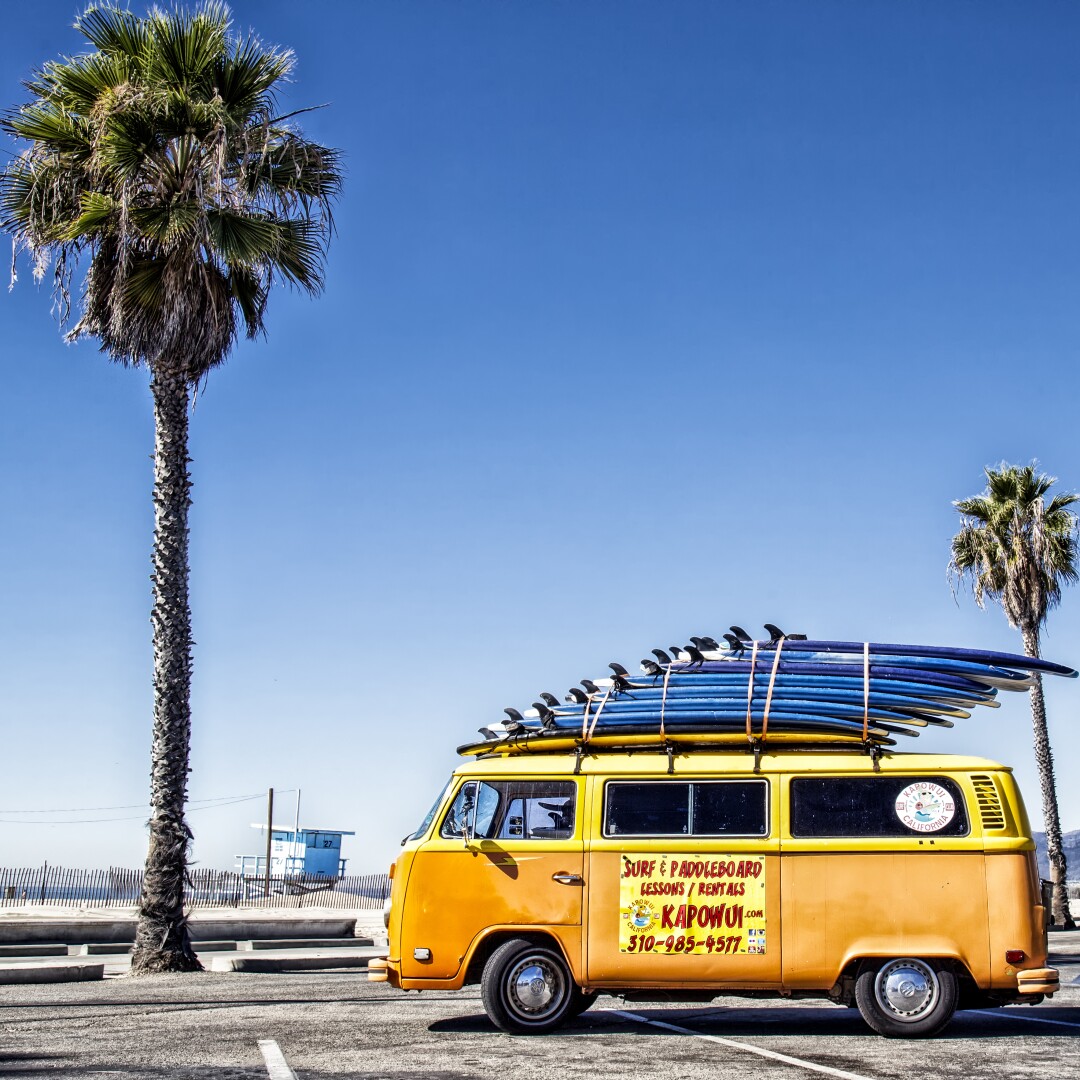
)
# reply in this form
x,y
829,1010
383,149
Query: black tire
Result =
x,y
906,998
527,988
581,1000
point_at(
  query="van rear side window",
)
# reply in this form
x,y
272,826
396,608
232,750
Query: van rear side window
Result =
x,y
667,808
877,806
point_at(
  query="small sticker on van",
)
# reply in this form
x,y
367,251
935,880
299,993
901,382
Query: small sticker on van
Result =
x,y
925,807
691,904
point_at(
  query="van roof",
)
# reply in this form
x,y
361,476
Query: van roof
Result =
x,y
699,762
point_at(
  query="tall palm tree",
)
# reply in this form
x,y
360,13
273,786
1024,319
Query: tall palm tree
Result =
x,y
158,163
1019,550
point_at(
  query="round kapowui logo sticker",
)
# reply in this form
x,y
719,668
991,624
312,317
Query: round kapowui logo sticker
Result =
x,y
925,807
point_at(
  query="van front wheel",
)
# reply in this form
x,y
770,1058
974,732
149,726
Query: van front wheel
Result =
x,y
907,998
527,988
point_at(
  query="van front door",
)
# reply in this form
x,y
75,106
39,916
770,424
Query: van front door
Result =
x,y
684,885
508,853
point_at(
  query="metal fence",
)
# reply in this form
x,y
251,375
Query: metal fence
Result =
x,y
117,887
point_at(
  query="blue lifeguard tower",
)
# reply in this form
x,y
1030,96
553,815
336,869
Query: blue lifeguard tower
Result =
x,y
295,852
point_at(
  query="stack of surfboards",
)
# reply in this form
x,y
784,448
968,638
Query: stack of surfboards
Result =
x,y
785,689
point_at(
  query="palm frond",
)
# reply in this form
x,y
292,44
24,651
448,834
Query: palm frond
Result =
x,y
98,215
1059,502
287,169
250,295
114,31
300,254
243,239
185,47
167,224
84,82
246,77
49,126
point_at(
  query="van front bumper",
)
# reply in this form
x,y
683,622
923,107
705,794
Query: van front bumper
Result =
x,y
1038,981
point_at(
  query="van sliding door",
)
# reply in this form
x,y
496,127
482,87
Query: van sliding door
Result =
x,y
684,884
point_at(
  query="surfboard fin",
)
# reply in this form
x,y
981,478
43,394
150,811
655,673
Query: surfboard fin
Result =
x,y
547,717
775,634
619,669
694,654
574,696
651,667
516,725
735,644
661,656
709,644
740,633
550,699
590,686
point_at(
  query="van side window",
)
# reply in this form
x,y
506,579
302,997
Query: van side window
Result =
x,y
514,810
877,806
475,805
647,810
707,808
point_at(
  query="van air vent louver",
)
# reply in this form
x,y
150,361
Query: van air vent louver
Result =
x,y
993,816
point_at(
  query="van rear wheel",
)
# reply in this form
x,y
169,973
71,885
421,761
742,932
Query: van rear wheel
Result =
x,y
906,998
527,988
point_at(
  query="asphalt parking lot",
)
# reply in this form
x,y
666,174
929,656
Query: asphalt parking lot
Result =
x,y
339,1025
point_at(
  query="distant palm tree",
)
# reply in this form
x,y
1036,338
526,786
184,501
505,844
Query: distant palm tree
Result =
x,y
158,159
1018,550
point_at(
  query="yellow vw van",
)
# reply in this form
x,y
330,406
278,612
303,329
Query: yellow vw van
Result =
x,y
905,884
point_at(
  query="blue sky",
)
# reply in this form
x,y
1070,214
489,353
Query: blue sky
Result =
x,y
642,319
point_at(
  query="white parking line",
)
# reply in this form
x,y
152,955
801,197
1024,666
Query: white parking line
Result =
x,y
1027,1019
276,1065
760,1051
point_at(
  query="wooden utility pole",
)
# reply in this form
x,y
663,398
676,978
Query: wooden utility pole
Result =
x,y
269,836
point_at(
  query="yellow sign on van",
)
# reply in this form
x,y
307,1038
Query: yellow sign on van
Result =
x,y
679,904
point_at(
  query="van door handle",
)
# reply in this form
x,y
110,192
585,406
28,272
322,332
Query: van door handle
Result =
x,y
564,878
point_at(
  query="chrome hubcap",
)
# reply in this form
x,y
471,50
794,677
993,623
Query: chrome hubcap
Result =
x,y
536,987
906,989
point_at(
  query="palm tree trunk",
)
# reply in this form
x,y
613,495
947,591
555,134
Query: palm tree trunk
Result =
x,y
1044,759
161,937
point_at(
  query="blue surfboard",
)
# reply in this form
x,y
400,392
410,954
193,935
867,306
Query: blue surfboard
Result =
x,y
980,679
737,684
930,652
991,676
615,711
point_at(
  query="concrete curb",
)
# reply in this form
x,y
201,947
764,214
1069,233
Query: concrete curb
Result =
x,y
52,949
121,931
270,964
110,948
50,973
114,948
301,943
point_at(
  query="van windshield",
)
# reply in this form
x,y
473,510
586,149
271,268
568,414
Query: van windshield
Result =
x,y
430,815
